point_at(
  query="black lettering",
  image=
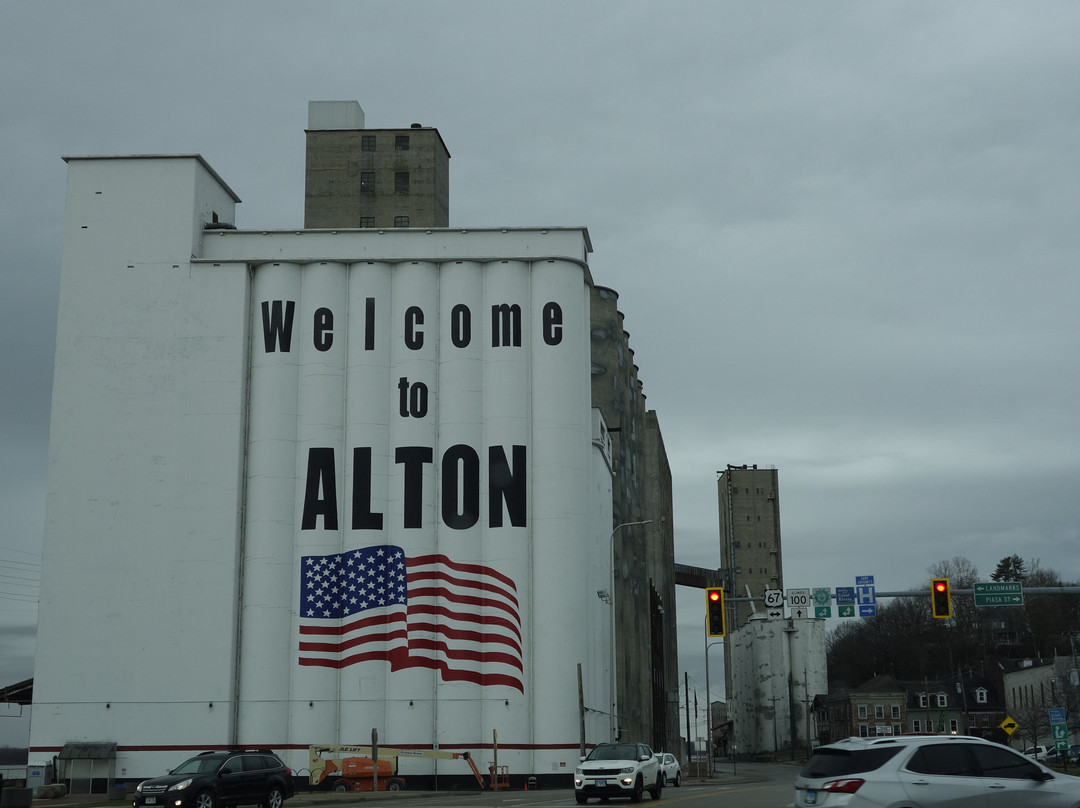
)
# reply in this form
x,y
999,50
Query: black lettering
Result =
x,y
277,329
506,485
506,325
418,400
369,324
552,323
320,474
412,398
414,339
413,458
323,329
362,517
460,489
460,325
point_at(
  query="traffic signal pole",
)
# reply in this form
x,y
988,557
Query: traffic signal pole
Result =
x,y
922,593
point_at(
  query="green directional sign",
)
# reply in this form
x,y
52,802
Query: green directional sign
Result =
x,y
845,609
999,593
1059,729
822,602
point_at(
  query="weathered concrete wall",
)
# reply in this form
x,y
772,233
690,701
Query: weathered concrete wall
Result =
x,y
646,647
346,182
777,667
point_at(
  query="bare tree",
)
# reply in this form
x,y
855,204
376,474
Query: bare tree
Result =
x,y
1034,721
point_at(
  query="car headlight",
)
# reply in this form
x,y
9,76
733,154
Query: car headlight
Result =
x,y
181,785
628,770
138,788
577,770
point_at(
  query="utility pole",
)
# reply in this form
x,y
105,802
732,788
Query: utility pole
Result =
x,y
686,685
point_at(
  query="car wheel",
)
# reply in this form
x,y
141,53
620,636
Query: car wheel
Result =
x,y
341,785
205,800
663,779
580,798
395,785
654,792
678,779
639,788
275,797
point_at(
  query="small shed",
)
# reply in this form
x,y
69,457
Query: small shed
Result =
x,y
87,767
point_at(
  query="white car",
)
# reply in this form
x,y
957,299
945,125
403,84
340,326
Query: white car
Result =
x,y
618,770
670,768
929,771
1037,752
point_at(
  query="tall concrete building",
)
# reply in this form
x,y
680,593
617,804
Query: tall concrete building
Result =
x,y
774,665
751,553
643,554
373,178
347,479
354,180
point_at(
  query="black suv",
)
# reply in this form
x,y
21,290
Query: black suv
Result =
x,y
220,780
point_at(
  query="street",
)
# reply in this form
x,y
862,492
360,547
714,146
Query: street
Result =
x,y
750,785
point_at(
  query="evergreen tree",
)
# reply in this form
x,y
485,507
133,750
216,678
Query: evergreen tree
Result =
x,y
1010,568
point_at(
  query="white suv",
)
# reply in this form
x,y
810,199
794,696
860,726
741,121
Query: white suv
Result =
x,y
924,771
618,770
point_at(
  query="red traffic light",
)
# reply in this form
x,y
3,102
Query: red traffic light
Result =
x,y
714,612
940,598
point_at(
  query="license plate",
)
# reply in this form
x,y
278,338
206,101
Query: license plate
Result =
x,y
601,783
150,800
810,798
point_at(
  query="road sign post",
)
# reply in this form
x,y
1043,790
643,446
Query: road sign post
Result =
x,y
1059,729
798,600
999,593
845,601
866,596
774,603
822,602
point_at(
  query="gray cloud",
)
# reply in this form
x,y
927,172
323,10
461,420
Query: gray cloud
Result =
x,y
842,235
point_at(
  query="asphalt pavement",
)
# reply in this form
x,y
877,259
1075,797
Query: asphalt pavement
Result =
x,y
725,775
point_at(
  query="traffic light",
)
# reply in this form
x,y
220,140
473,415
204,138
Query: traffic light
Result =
x,y
714,612
940,599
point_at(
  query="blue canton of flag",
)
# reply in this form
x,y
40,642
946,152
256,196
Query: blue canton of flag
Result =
x,y
337,586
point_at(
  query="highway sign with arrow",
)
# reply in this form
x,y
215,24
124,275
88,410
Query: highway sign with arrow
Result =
x,y
798,601
822,602
774,603
999,593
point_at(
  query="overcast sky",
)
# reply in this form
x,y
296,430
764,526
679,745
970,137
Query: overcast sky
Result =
x,y
844,234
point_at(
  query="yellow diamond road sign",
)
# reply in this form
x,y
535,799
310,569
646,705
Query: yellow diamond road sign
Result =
x,y
1009,725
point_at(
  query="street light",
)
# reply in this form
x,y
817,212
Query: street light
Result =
x,y
614,694
708,701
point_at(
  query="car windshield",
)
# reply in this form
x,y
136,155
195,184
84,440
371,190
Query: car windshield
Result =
x,y
827,762
198,765
617,751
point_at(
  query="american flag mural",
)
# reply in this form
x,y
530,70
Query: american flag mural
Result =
x,y
377,603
